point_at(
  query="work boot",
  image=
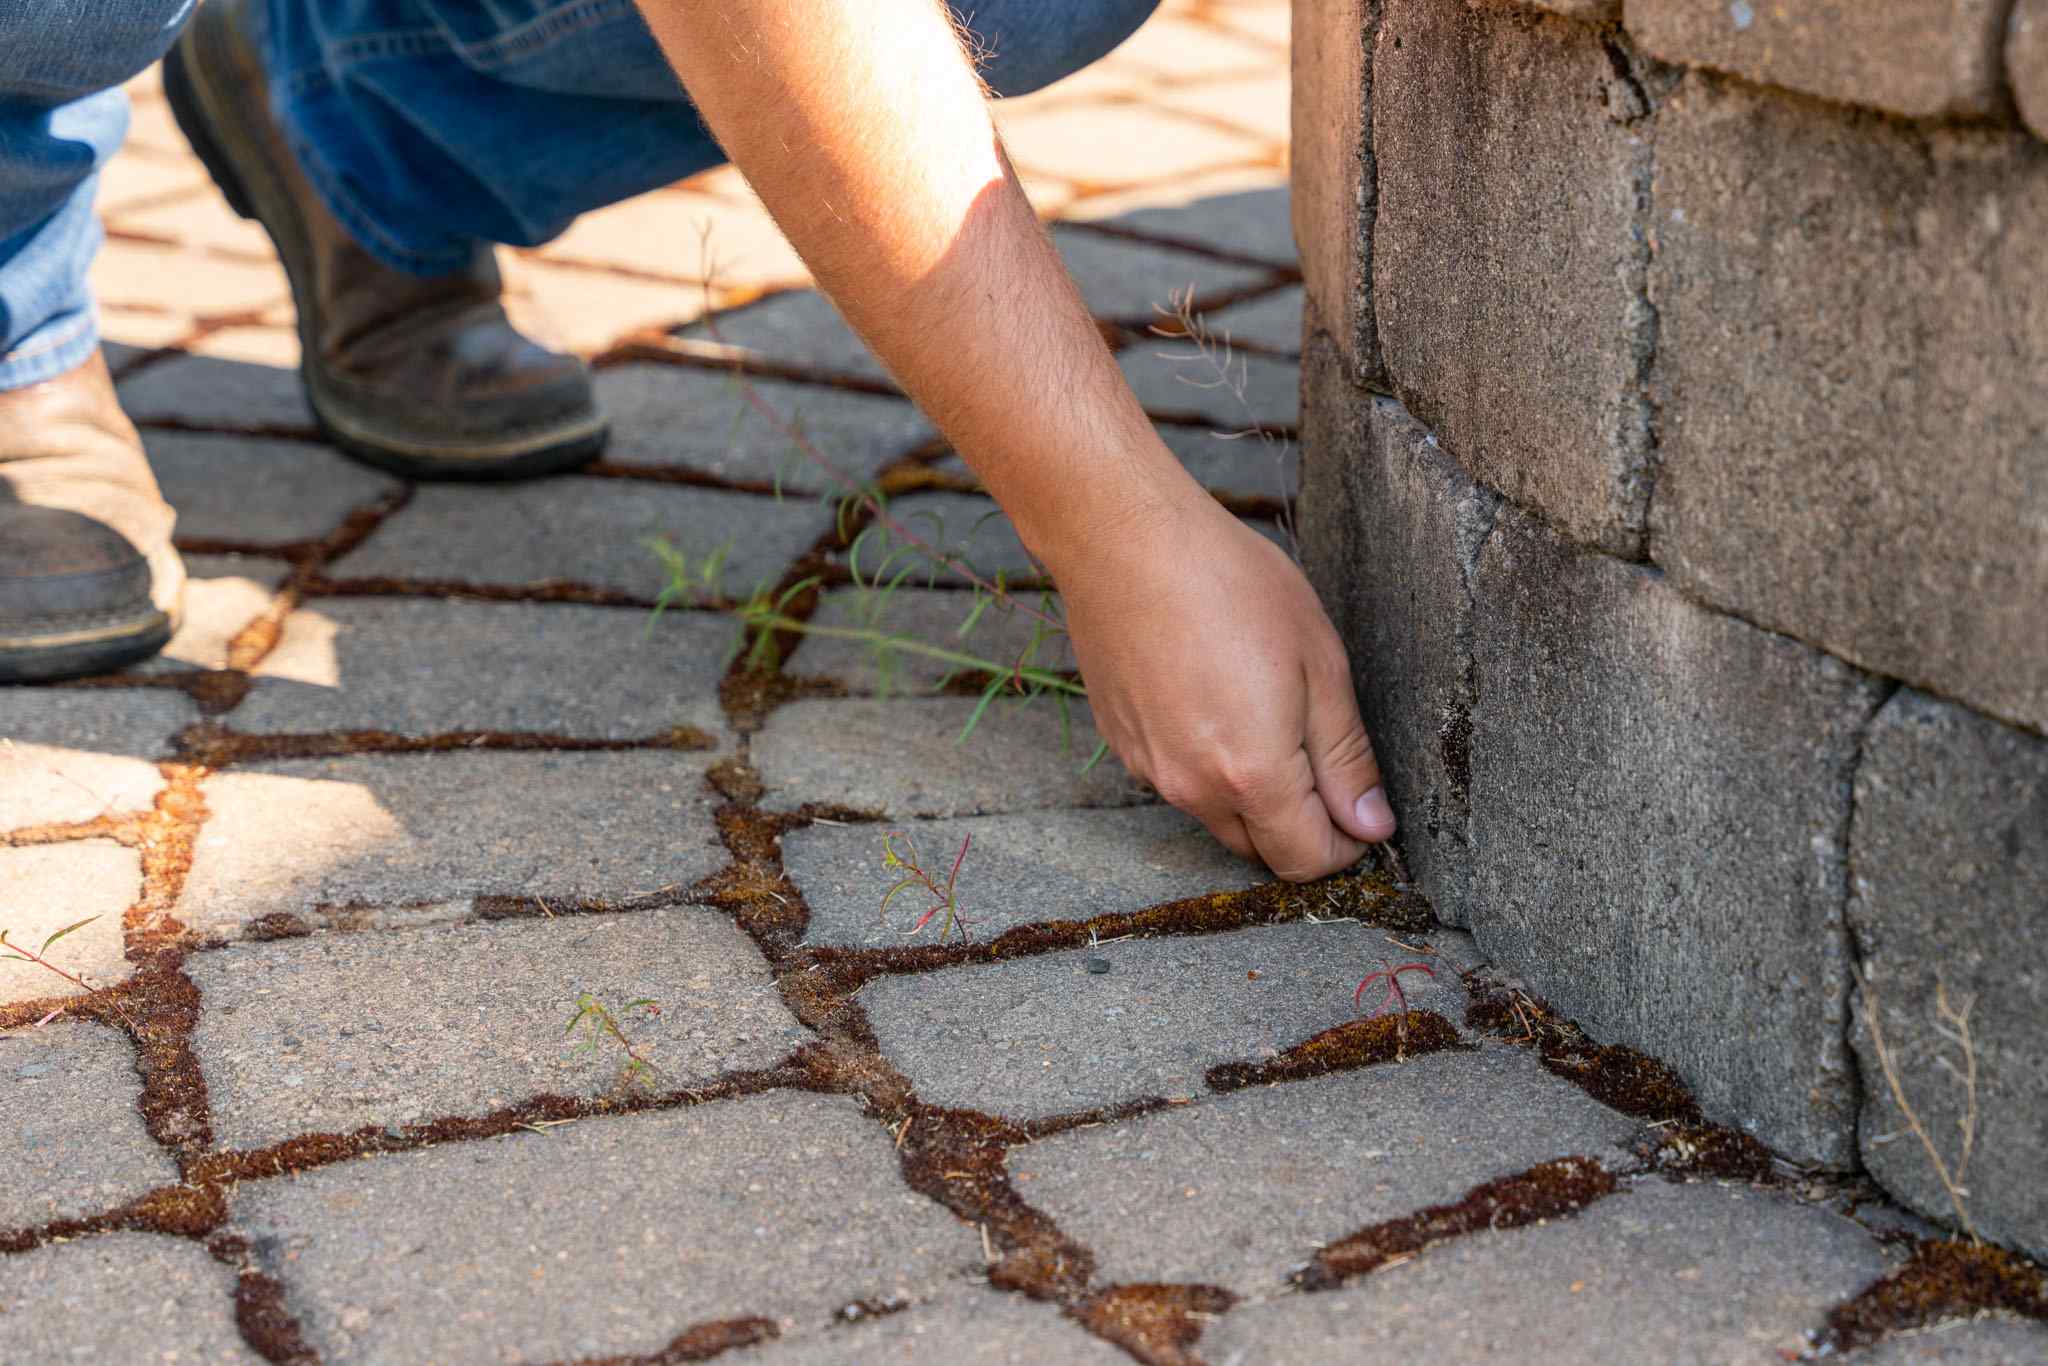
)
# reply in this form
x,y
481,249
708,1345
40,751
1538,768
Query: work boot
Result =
x,y
88,579
421,375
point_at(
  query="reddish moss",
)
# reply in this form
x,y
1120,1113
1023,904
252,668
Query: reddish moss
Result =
x,y
277,925
698,1342
734,779
1942,1281
1355,1043
1156,1324
1617,1076
267,1323
216,746
1549,1190
750,695
1709,1150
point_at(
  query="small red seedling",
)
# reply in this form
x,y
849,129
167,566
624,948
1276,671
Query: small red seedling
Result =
x,y
1393,980
944,897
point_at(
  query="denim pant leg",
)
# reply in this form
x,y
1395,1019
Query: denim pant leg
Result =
x,y
429,124
62,114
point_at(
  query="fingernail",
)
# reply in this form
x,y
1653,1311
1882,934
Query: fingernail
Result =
x,y
1376,814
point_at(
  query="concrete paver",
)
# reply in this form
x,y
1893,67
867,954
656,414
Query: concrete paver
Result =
x,y
121,1297
223,594
928,616
75,755
330,1033
263,491
50,886
72,1143
783,1206
796,327
1134,281
1230,389
972,1326
1272,320
214,391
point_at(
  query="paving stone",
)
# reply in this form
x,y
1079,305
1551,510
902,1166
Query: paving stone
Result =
x,y
1512,317
589,309
1983,1342
73,1142
70,755
1919,58
135,274
1851,449
1950,852
1690,1275
1255,223
1255,105
933,616
960,524
336,1031
1620,731
426,828
1119,144
1019,870
2026,62
899,758
120,1297
985,1327
687,236
671,415
50,886
223,594
1232,390
796,327
422,666
1135,281
1237,1190
784,1206
1390,526
258,491
1271,320
584,531
1042,1036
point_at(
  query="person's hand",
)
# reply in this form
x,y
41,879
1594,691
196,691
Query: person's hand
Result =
x,y
1216,677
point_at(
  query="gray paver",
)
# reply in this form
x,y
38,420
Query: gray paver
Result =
x,y
1237,1190
1134,281
50,886
1253,223
120,1297
1227,459
1234,390
796,327
785,1206
423,828
424,666
1019,870
1983,1342
1273,320
72,1143
1042,1036
700,420
1696,1275
897,757
584,531
984,1327
932,616
72,755
958,524
210,391
336,1031
223,594
258,491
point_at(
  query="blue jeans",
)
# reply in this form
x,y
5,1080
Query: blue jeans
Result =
x,y
426,125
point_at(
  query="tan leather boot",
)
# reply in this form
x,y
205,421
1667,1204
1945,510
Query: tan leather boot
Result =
x,y
424,376
88,579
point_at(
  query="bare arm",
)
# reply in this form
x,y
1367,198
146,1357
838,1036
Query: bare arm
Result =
x,y
1211,668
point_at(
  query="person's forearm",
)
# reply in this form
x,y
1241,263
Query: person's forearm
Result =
x,y
864,129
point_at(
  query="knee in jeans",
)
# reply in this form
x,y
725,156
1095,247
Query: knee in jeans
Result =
x,y
56,51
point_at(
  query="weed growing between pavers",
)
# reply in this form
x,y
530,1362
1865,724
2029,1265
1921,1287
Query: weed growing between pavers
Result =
x,y
1353,1044
1943,1281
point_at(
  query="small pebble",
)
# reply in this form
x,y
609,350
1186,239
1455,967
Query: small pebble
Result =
x,y
1096,965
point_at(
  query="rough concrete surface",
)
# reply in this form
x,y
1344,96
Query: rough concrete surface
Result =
x,y
1133,282
301,835
425,667
784,1206
208,390
979,1327
1227,389
262,492
1950,852
1658,820
331,1033
1336,182
140,1297
95,726
72,1141
1240,1189
1511,313
48,887
1273,320
1045,1036
1017,870
1882,499
795,327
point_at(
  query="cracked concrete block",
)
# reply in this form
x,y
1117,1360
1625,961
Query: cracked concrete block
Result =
x,y
1335,181
259,491
1950,854
403,830
1237,1190
1511,307
123,1297
783,1206
1390,525
50,886
1918,58
1659,820
427,666
2026,62
1021,869
1692,1274
72,1143
335,1031
1854,434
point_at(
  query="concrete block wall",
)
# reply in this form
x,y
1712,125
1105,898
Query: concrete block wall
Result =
x,y
1676,466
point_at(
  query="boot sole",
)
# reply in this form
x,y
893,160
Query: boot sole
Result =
x,y
200,111
81,654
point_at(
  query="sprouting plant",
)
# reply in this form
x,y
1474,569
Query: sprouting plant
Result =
x,y
945,897
600,1024
18,953
1392,977
1953,1025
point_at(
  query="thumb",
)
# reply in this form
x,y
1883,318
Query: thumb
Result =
x,y
1340,755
